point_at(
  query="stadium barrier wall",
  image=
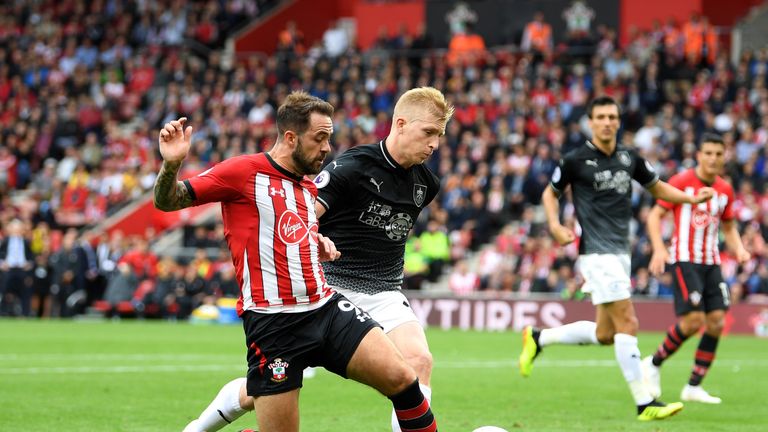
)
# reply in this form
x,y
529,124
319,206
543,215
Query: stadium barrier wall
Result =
x,y
504,314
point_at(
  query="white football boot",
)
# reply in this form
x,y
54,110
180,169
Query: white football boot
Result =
x,y
697,394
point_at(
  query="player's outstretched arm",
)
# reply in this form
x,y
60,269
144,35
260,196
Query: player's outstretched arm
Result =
x,y
171,194
667,192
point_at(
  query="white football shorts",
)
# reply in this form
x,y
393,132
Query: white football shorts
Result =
x,y
388,308
606,277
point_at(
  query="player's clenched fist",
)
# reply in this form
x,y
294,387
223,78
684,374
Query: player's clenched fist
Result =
x,y
327,249
175,140
562,234
704,194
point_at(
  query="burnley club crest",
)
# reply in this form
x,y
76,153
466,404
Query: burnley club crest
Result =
x,y
419,194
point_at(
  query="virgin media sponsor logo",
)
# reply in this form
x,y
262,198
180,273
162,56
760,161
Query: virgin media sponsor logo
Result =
x,y
292,229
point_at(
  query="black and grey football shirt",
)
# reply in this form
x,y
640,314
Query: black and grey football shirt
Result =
x,y
602,193
371,205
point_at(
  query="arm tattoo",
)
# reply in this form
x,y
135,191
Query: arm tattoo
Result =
x,y
170,194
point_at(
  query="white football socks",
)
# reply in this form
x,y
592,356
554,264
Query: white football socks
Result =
x,y
427,392
579,332
628,356
223,410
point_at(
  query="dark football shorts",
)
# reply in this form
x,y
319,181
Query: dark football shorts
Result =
x,y
699,287
281,345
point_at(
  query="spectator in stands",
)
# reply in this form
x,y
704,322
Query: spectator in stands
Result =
x,y
462,281
121,286
670,38
466,48
759,286
202,264
435,247
16,263
199,237
90,268
290,40
618,66
700,40
41,284
421,40
141,259
415,264
190,291
67,283
224,258
162,300
8,176
223,283
537,36
491,265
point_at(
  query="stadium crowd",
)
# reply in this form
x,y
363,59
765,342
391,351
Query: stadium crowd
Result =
x,y
84,87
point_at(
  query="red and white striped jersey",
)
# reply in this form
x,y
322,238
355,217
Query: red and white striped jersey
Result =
x,y
696,225
271,228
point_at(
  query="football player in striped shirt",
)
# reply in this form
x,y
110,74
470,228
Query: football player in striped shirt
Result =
x,y
701,295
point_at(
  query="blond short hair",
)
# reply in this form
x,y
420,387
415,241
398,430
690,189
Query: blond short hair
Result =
x,y
428,99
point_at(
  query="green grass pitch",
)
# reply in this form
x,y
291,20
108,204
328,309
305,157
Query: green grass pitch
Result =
x,y
149,376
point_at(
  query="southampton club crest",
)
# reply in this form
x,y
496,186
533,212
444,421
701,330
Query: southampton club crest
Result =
x,y
278,368
419,194
695,298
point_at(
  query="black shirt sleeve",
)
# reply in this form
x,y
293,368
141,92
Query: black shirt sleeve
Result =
x,y
644,172
562,176
337,182
432,189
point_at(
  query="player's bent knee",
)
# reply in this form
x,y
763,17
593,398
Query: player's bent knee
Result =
x,y
421,362
715,326
605,338
246,403
714,330
399,378
692,323
630,325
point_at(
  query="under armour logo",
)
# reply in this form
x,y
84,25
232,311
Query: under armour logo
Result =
x,y
335,164
274,192
378,185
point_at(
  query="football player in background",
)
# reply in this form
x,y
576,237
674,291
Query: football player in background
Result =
x,y
701,294
600,174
